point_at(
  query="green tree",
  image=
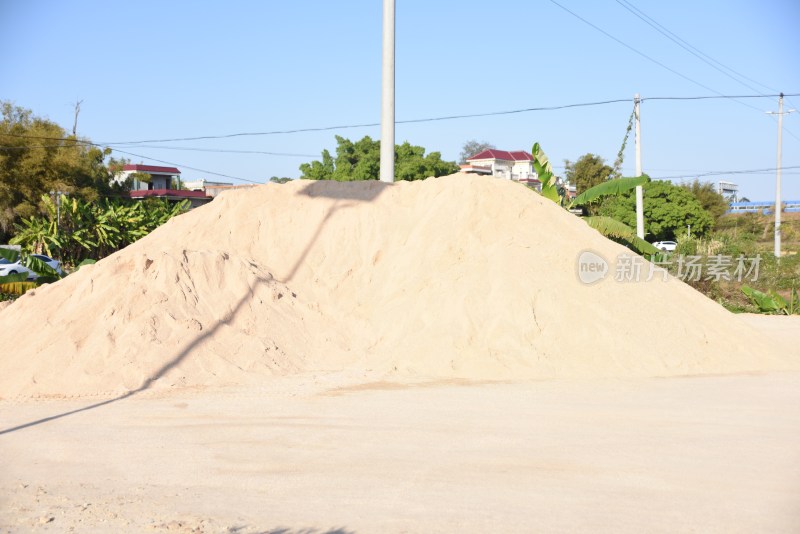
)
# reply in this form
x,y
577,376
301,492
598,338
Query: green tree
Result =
x,y
668,210
280,180
84,230
361,161
590,170
38,157
709,198
472,147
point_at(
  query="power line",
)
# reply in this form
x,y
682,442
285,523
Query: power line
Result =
x,y
187,167
196,149
715,173
629,47
688,47
408,121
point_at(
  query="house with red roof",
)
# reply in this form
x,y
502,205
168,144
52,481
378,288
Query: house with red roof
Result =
x,y
153,181
514,165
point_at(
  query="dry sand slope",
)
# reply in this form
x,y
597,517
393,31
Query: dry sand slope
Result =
x,y
458,276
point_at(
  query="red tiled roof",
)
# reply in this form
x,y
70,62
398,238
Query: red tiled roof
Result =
x,y
492,153
155,169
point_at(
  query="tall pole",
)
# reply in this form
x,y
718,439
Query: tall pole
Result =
x,y
778,205
387,95
639,193
75,124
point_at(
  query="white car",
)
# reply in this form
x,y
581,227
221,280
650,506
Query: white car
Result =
x,y
666,246
8,267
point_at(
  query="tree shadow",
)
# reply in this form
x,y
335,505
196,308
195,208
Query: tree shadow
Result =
x,y
344,194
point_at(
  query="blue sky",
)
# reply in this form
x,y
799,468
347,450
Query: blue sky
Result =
x,y
155,70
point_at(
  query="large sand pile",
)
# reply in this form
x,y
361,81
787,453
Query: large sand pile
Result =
x,y
451,277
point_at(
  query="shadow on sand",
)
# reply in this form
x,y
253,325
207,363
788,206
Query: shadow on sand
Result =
x,y
344,194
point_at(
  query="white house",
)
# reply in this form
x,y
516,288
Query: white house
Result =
x,y
515,165
160,177
165,183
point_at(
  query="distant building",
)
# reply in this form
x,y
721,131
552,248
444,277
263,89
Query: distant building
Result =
x,y
212,189
729,190
515,165
202,184
163,182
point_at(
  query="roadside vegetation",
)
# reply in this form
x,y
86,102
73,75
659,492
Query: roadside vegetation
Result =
x,y
750,236
58,197
727,257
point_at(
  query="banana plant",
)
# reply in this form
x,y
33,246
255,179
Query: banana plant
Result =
x,y
541,164
18,283
92,229
607,226
772,302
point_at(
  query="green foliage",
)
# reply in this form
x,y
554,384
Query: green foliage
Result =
x,y
668,210
772,302
544,171
705,192
590,170
92,230
18,284
472,147
620,232
361,161
609,227
39,157
281,180
609,188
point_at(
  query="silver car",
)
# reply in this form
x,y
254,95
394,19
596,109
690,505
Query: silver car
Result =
x,y
9,267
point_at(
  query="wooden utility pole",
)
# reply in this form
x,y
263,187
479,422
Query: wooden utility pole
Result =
x,y
75,123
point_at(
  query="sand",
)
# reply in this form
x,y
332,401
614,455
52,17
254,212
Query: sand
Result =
x,y
455,277
417,357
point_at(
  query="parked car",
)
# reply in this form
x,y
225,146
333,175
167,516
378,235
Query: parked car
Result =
x,y
666,246
9,267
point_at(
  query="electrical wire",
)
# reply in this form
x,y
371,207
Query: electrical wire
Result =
x,y
716,173
639,52
187,167
688,47
196,149
112,144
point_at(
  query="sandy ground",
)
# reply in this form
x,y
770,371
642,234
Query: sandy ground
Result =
x,y
705,454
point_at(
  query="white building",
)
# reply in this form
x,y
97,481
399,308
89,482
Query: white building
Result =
x,y
163,182
202,184
729,190
516,165
161,178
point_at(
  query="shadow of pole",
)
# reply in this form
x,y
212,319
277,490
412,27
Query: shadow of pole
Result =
x,y
160,372
339,191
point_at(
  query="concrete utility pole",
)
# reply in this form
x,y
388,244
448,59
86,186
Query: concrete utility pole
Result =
x,y
387,95
639,192
778,203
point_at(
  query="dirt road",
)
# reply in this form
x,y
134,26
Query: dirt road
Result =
x,y
713,454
